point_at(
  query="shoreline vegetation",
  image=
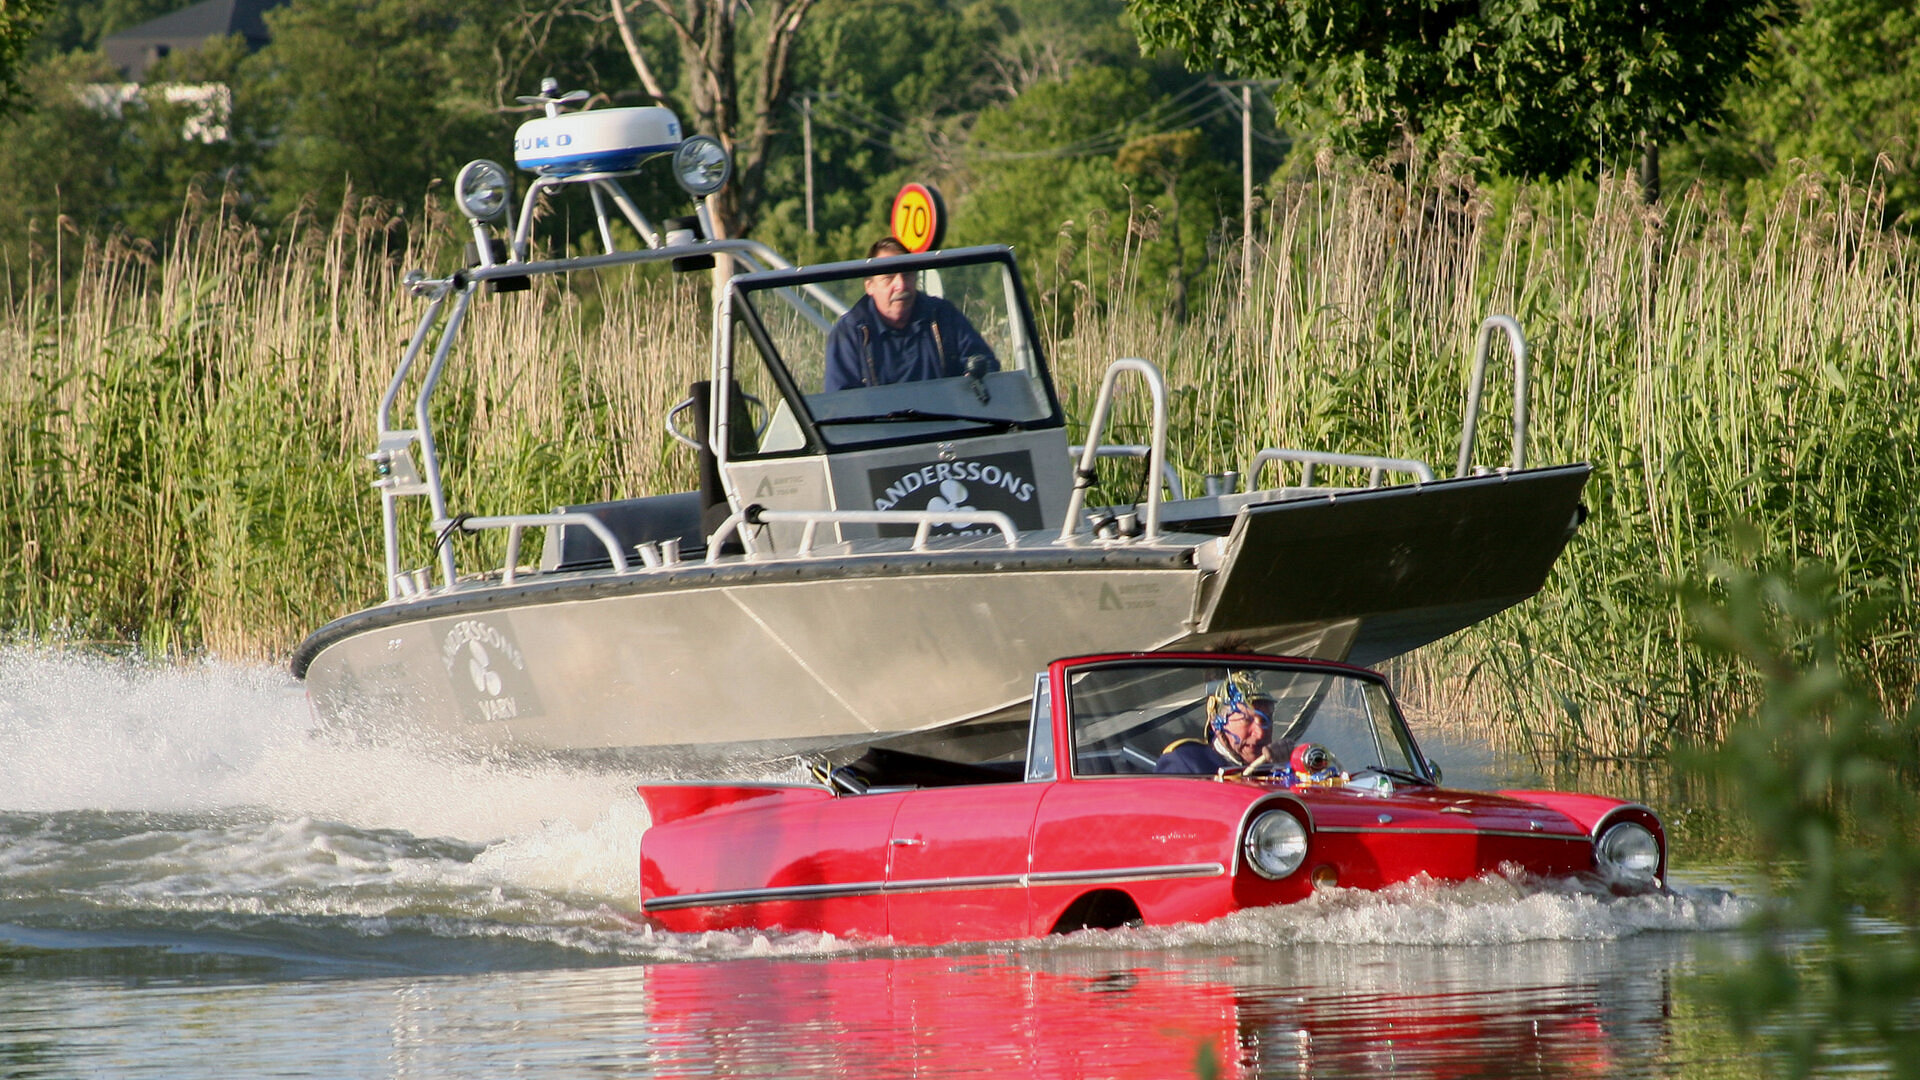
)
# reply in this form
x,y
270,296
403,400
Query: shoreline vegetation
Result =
x,y
182,432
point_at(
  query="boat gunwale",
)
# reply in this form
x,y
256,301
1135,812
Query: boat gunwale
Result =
x,y
1038,553
604,583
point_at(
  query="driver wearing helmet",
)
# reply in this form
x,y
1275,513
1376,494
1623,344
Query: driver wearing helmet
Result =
x,y
1239,731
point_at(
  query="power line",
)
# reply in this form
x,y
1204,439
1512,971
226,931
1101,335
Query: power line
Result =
x,y
1163,117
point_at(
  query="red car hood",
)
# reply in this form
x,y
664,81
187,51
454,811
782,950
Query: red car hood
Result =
x,y
1426,809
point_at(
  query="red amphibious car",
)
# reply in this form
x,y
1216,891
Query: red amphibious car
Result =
x,y
1059,821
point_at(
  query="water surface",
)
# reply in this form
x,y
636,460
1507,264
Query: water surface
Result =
x,y
190,875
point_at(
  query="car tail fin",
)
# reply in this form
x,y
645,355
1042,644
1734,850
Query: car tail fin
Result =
x,y
671,802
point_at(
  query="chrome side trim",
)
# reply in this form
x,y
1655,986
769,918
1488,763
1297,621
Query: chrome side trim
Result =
x,y
1129,873
1581,838
836,891
764,896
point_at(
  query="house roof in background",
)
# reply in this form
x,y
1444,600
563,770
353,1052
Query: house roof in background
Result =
x,y
137,47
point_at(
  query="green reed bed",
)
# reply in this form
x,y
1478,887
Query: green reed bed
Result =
x,y
1717,373
183,440
181,459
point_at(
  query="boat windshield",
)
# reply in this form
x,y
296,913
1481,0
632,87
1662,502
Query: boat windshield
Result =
x,y
1126,717
943,352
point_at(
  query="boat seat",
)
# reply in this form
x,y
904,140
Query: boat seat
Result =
x,y
880,768
632,521
714,507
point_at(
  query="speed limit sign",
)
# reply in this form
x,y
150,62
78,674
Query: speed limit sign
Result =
x,y
919,217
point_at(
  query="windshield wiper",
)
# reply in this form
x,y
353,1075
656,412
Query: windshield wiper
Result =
x,y
1401,775
899,415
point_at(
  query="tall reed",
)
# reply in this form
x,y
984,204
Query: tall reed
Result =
x,y
1718,374
183,438
183,441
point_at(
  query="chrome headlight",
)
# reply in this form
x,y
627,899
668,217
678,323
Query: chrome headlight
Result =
x,y
1276,844
482,189
1628,854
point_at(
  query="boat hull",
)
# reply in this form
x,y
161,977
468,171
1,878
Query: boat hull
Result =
x,y
774,655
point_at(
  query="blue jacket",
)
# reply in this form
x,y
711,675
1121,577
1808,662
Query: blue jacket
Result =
x,y
862,350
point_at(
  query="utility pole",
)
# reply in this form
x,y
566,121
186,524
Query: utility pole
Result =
x,y
806,138
1246,187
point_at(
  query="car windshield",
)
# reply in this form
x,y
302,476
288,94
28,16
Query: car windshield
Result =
x,y
937,353
1126,717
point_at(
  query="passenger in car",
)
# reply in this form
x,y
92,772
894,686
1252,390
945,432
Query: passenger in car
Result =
x,y
1239,732
897,334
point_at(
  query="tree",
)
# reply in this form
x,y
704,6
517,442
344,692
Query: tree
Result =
x,y
1046,158
383,96
82,160
707,32
1838,92
890,84
19,24
1084,160
1529,87
1164,157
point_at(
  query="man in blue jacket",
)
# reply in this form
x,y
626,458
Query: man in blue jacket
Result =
x,y
896,333
1239,732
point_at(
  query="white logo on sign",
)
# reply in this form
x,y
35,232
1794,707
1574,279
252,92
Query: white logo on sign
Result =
x,y
480,667
953,496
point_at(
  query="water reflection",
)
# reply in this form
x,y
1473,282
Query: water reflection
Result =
x,y
1083,1008
187,883
1539,1009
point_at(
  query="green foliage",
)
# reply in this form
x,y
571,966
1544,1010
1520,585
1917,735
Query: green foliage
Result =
x,y
20,22
1832,783
884,78
1838,90
1018,152
1529,87
387,97
86,168
1092,143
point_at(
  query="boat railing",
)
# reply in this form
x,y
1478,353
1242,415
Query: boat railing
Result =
x,y
397,474
515,524
1517,342
1377,467
924,520
1168,474
1083,474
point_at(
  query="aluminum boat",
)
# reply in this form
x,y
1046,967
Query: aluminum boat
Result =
x,y
869,560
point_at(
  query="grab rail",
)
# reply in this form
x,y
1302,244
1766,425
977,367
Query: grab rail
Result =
x,y
1168,475
423,423
812,519
516,523
397,476
1156,458
1308,459
1468,429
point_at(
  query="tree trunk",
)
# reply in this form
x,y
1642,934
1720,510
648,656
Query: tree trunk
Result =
x,y
1650,172
706,30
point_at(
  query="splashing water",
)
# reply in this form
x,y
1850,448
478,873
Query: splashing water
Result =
x,y
179,802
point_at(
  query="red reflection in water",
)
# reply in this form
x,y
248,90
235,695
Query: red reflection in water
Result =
x,y
937,1015
1075,1015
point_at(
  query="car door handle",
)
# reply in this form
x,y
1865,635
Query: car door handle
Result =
x,y
907,841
